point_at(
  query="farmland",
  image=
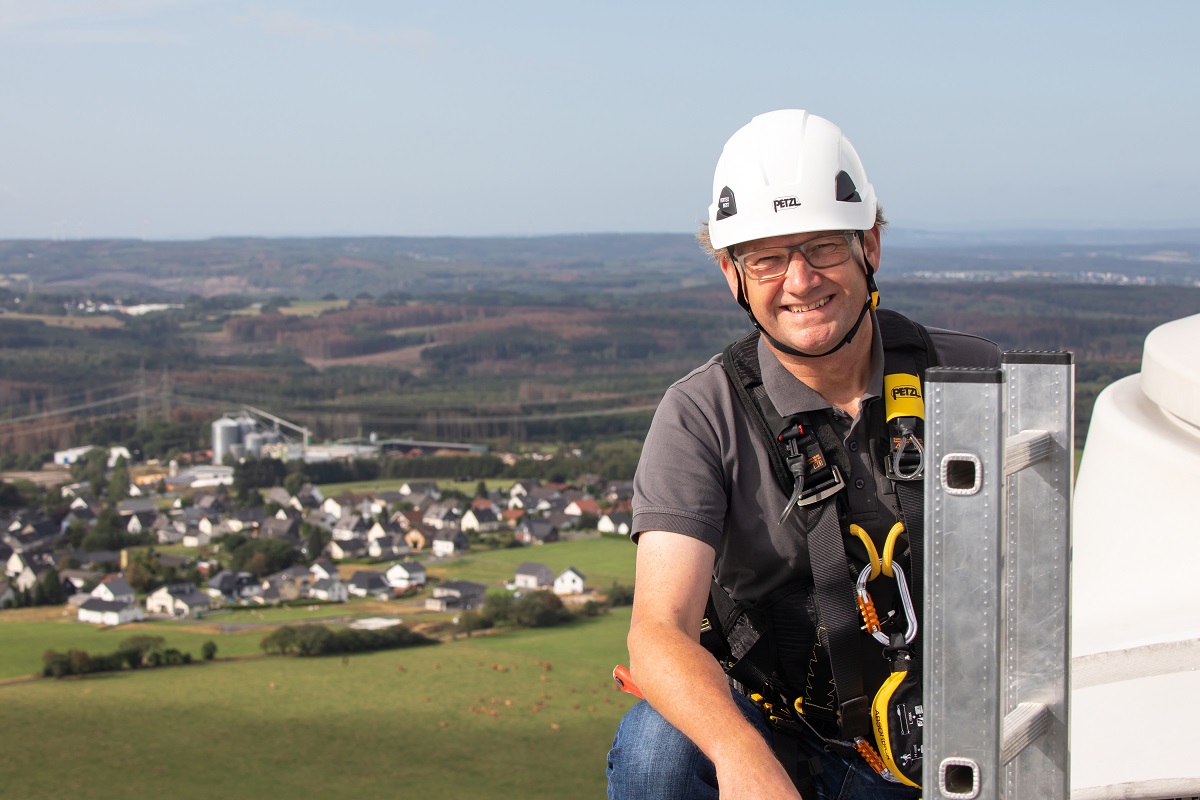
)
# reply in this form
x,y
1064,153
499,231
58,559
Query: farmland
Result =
x,y
527,714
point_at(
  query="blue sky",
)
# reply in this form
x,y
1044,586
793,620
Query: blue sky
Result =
x,y
168,119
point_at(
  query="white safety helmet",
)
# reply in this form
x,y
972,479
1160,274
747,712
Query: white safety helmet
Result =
x,y
788,172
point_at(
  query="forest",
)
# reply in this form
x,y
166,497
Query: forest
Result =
x,y
572,342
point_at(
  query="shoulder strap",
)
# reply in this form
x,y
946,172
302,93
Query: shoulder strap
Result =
x,y
832,593
909,349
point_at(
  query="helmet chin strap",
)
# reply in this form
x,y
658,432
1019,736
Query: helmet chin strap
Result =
x,y
872,302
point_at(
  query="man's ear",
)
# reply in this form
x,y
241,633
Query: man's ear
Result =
x,y
872,247
729,270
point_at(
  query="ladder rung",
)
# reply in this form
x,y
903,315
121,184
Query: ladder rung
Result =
x,y
1026,449
1022,725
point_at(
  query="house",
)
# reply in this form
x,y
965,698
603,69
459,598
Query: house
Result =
x,y
480,520
277,495
140,521
195,537
536,531
341,550
392,546
107,612
385,528
418,537
382,501
421,487
442,515
75,580
462,595
115,590
8,598
615,522
17,563
345,505
246,520
288,584
406,575
136,506
230,586
309,496
31,576
288,529
582,507
178,600
369,583
531,575
329,589
450,542
323,570
569,582
522,488
350,527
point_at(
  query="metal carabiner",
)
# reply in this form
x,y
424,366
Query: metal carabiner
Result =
x,y
887,566
908,440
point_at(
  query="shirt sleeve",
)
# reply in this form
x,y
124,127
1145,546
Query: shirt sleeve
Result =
x,y
680,484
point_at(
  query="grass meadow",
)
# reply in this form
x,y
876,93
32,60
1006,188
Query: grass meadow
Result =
x,y
526,714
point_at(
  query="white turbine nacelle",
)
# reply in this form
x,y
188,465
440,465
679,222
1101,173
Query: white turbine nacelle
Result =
x,y
1135,610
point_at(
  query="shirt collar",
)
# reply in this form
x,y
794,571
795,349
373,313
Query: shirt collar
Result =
x,y
791,396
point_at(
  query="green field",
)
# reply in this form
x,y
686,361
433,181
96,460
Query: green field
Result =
x,y
480,717
602,560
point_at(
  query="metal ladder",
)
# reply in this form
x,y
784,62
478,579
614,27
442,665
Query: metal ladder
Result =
x,y
999,462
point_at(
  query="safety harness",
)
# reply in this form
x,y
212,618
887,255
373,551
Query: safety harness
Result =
x,y
800,652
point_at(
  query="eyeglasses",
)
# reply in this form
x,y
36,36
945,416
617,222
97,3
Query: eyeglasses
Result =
x,y
765,265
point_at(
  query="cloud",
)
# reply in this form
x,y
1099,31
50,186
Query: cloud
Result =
x,y
85,21
289,25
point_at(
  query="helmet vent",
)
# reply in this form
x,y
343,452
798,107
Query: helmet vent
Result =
x,y
726,204
847,192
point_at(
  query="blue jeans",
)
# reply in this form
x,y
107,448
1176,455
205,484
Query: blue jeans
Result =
x,y
651,760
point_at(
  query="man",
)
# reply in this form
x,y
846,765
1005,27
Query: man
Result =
x,y
795,228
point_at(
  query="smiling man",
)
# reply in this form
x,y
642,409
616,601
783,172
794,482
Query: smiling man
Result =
x,y
771,481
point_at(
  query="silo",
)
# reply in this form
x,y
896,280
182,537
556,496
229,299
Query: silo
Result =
x,y
225,433
254,443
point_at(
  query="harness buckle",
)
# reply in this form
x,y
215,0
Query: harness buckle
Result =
x,y
832,484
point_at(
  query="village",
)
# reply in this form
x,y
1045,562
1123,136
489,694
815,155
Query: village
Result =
x,y
199,552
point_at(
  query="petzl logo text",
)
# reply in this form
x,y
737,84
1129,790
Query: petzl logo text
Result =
x,y
906,391
786,202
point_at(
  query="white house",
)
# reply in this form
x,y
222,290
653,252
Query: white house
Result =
x,y
114,590
406,575
106,612
447,543
570,582
196,538
330,589
615,522
369,583
178,600
442,515
323,570
481,520
531,575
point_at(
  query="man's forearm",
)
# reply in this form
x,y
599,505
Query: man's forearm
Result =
x,y
685,684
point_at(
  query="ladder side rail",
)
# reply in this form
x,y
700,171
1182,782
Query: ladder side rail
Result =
x,y
1040,421
964,519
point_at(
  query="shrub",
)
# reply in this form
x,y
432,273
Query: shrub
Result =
x,y
208,650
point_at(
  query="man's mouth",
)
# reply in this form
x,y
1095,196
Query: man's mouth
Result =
x,y
810,307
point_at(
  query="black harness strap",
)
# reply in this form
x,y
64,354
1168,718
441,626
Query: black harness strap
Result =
x,y
908,348
837,614
735,638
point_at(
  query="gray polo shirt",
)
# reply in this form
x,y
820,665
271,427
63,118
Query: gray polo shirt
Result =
x,y
705,473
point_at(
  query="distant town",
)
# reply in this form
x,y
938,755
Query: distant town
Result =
x,y
182,546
